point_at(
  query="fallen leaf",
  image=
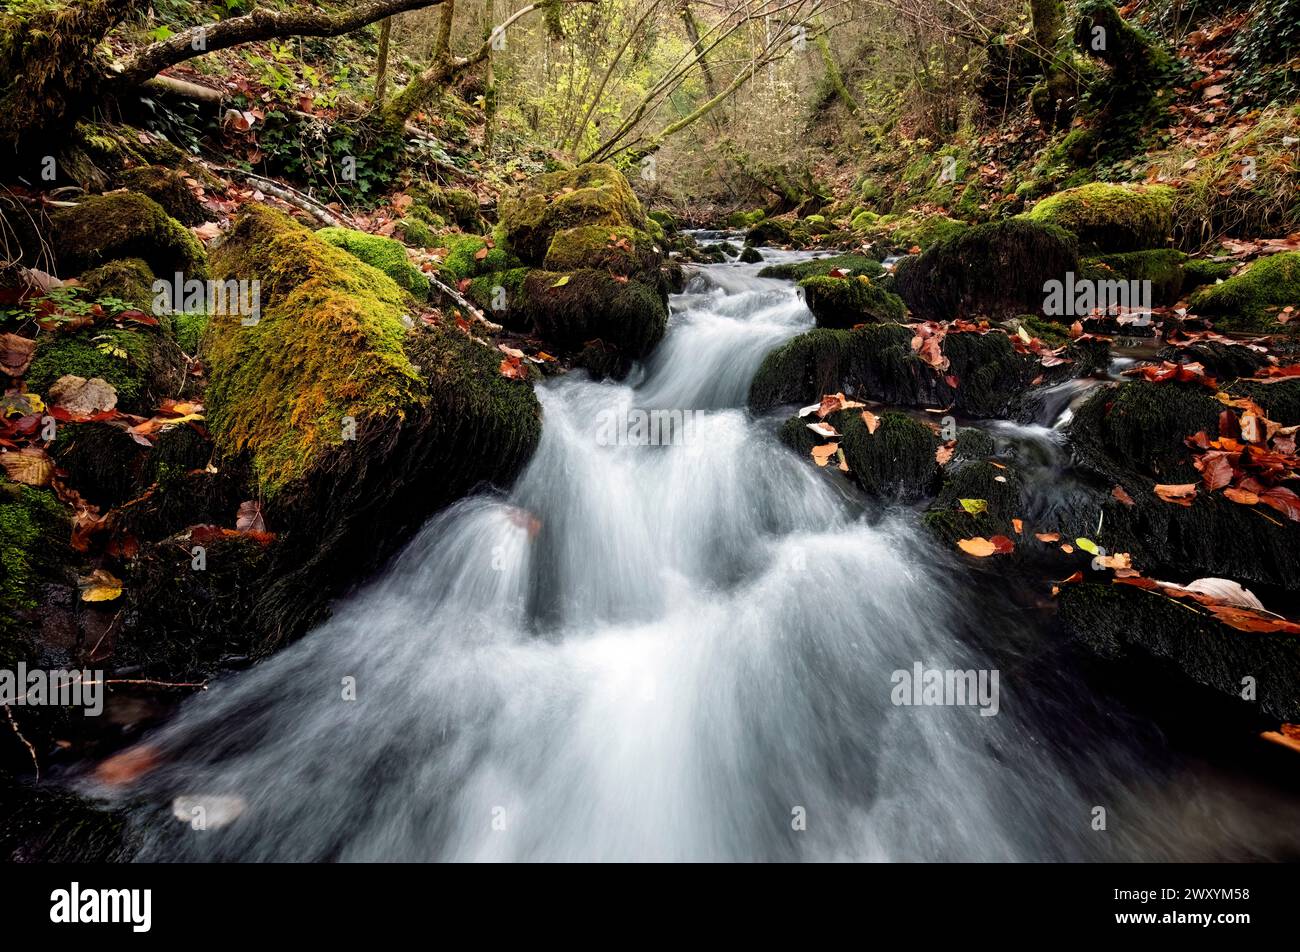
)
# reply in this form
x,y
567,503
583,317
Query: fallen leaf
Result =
x,y
1119,493
83,398
127,766
974,506
1047,536
100,585
871,420
1181,494
822,454
978,546
16,354
249,518
823,429
30,466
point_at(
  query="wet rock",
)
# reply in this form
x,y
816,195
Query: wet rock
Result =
x,y
896,462
846,302
853,264
1118,621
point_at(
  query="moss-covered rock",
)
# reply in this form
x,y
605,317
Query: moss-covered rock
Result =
x,y
128,279
1252,299
845,302
414,233
1199,271
896,462
588,195
1118,621
169,189
798,270
34,532
619,249
998,488
469,256
572,308
770,231
999,270
1163,267
1111,218
1278,397
124,225
750,255
806,365
436,206
103,462
143,365
1141,427
379,252
328,346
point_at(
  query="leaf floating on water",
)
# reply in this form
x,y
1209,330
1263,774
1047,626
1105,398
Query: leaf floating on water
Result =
x,y
978,546
1181,494
974,506
128,766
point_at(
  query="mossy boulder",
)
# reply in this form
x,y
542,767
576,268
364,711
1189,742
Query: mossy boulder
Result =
x,y
34,532
128,279
103,462
619,249
750,255
328,346
169,189
1163,267
355,428
386,254
1199,271
436,206
798,270
896,462
769,231
570,309
469,256
597,194
1251,299
1141,427
998,270
1122,621
846,302
1111,218
124,225
414,233
996,489
142,364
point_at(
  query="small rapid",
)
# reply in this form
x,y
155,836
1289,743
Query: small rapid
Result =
x,y
678,652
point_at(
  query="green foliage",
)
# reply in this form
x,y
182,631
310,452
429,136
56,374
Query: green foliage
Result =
x,y
356,161
34,528
1268,52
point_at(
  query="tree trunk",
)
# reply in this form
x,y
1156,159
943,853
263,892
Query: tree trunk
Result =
x,y
381,72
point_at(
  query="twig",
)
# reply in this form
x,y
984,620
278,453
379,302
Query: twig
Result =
x,y
25,742
289,194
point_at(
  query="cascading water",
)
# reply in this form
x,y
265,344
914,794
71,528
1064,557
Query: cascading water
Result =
x,y
671,652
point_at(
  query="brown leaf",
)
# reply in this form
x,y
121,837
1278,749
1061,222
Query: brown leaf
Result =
x,y
822,454
30,466
1047,536
16,354
871,420
100,585
1242,496
1283,500
128,766
1181,494
1122,495
83,398
978,546
249,518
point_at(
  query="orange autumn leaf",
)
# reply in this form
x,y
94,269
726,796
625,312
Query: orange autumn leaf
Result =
x,y
1181,494
978,546
871,420
1122,495
822,454
1047,536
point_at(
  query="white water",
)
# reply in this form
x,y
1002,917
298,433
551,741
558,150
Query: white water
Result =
x,y
694,644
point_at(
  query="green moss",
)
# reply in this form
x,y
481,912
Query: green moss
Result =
x,y
34,531
415,233
999,486
1049,332
587,195
895,462
1279,397
620,249
1199,271
504,306
798,270
844,302
124,225
128,279
770,231
997,269
750,255
329,345
903,232
188,330
142,365
466,258
387,255
1251,299
169,189
1110,218
1163,267
668,222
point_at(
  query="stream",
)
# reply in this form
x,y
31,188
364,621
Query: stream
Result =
x,y
685,652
